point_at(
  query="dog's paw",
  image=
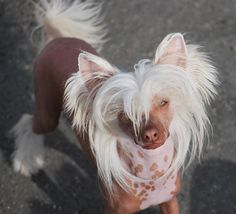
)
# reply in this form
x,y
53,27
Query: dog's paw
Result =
x,y
27,167
28,157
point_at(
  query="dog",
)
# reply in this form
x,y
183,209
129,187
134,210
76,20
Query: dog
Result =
x,y
140,128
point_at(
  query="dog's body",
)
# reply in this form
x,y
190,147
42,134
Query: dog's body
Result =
x,y
136,127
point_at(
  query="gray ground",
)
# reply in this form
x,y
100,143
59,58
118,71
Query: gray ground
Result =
x,y
68,184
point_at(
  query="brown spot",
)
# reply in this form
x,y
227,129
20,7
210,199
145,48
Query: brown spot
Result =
x,y
165,158
151,182
159,173
136,185
148,187
142,184
153,167
142,193
172,177
153,188
146,195
138,168
141,155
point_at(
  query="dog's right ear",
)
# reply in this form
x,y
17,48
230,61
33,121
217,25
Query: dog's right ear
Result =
x,y
94,70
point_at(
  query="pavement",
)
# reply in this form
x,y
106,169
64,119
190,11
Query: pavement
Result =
x,y
68,184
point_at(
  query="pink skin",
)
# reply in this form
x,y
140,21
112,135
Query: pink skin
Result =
x,y
54,65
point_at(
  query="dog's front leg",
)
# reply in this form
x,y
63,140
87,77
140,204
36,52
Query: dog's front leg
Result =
x,y
170,207
119,209
28,157
121,203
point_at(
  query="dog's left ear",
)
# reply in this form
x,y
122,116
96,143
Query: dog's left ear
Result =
x,y
94,69
172,51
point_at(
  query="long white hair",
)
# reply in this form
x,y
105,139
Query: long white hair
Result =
x,y
71,18
189,86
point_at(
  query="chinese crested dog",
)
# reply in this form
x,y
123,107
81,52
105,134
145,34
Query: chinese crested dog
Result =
x,y
140,128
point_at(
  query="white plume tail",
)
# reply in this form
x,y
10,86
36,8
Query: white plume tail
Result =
x,y
66,18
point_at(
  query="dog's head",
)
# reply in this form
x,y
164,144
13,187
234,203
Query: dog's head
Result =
x,y
161,98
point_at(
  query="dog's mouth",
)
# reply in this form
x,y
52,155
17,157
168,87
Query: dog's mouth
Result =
x,y
149,146
152,145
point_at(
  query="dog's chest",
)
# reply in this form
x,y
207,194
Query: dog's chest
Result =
x,y
150,165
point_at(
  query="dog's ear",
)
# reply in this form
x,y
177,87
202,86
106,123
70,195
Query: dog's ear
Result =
x,y
172,51
94,69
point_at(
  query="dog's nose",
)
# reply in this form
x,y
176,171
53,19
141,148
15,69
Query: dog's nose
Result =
x,y
151,135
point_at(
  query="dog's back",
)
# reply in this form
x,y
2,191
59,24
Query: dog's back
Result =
x,y
56,63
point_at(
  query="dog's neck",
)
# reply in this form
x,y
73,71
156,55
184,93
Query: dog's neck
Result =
x,y
151,166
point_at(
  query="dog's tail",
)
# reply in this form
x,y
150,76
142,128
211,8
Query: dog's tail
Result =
x,y
71,18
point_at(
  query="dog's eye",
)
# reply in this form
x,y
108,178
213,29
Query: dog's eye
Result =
x,y
163,103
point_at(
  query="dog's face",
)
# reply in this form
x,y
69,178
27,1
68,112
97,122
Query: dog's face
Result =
x,y
153,132
132,104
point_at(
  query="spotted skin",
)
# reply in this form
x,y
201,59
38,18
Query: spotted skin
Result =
x,y
151,165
